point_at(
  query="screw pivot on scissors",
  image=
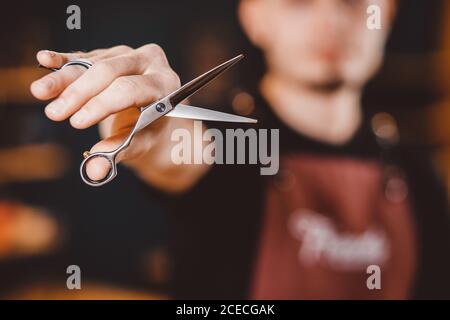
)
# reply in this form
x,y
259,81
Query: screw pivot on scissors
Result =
x,y
169,106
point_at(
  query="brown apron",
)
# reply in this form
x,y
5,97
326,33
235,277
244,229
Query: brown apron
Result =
x,y
327,220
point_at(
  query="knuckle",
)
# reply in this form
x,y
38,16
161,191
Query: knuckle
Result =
x,y
53,78
103,67
96,52
174,79
78,53
162,82
122,48
169,80
152,79
130,60
153,50
125,84
72,94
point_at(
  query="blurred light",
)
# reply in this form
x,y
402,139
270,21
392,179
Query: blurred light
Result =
x,y
385,128
50,290
33,162
157,263
396,189
26,230
243,103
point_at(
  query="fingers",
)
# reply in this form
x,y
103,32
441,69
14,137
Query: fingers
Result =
x,y
91,83
124,92
120,77
52,59
53,84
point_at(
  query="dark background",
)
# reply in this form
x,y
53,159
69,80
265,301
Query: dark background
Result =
x,y
109,231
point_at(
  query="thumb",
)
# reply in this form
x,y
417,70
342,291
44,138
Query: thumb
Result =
x,y
98,168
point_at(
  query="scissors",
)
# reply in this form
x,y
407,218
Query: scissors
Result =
x,y
169,106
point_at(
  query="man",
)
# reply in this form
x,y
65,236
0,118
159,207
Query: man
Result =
x,y
333,213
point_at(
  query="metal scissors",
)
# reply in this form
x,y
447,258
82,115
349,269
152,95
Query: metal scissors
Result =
x,y
170,106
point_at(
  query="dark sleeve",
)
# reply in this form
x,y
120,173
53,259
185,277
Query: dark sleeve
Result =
x,y
212,234
213,230
430,201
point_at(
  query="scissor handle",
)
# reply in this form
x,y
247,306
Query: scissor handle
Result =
x,y
111,157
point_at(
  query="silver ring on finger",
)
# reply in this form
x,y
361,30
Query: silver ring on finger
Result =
x,y
78,62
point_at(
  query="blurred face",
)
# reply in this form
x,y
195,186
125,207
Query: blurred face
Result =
x,y
319,43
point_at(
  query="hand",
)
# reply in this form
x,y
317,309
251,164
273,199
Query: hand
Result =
x,y
120,81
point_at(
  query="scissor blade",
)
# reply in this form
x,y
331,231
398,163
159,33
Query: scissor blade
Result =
x,y
195,113
193,86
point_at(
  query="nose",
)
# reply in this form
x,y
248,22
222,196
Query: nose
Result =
x,y
330,19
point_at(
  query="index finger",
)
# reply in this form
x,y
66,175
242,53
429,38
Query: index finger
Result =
x,y
52,59
53,84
